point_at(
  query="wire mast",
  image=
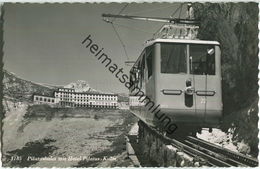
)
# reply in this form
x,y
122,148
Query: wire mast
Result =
x,y
174,28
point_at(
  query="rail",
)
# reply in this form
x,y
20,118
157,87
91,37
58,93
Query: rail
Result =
x,y
212,154
238,157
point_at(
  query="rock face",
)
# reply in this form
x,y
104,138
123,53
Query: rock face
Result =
x,y
235,26
22,90
80,86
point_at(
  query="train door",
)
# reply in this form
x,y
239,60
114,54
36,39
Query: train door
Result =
x,y
173,79
204,83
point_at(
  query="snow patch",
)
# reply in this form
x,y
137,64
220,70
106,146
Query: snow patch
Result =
x,y
134,129
219,138
80,86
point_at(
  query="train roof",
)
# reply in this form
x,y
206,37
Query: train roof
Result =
x,y
184,41
151,42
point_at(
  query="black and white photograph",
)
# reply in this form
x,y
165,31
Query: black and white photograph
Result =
x,y
147,84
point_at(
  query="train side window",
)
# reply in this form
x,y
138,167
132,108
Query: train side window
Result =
x,y
139,74
131,77
202,59
142,72
173,58
135,76
143,69
149,61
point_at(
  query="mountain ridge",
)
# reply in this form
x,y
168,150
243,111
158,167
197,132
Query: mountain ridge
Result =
x,y
19,89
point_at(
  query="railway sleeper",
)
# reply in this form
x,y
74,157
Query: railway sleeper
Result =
x,y
216,155
244,160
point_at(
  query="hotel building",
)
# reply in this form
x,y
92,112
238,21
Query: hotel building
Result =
x,y
66,97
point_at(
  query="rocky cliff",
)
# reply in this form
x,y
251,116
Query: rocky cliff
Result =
x,y
235,26
81,86
22,90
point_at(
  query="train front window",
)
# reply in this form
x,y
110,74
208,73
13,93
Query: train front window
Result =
x,y
173,58
202,59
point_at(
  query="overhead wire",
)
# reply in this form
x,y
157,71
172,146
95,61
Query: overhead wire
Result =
x,y
150,10
176,11
172,15
180,11
128,27
117,34
122,43
120,11
119,25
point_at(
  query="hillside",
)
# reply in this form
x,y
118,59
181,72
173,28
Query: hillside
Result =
x,y
22,90
235,26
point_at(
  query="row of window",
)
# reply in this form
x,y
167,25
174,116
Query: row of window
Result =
x,y
201,58
85,95
66,90
44,99
175,59
96,103
83,99
88,97
86,105
94,106
50,100
66,104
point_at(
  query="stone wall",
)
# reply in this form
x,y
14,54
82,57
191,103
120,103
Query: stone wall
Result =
x,y
162,153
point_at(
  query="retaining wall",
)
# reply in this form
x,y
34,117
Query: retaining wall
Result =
x,y
158,151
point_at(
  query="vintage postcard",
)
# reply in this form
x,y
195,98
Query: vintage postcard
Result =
x,y
129,84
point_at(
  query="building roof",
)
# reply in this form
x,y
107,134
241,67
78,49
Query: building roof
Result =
x,y
43,95
65,88
90,93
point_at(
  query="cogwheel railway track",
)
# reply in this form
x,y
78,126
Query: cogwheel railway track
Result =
x,y
234,158
207,153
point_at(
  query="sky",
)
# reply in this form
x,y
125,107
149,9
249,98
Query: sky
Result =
x,y
42,42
